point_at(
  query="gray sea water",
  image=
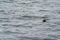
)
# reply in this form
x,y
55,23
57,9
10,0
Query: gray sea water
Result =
x,y
22,19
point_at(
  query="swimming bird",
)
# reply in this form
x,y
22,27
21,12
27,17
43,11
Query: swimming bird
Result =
x,y
44,20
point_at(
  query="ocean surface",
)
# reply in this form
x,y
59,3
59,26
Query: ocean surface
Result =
x,y
23,19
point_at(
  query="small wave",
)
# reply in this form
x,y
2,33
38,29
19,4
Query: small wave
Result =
x,y
27,17
6,24
34,16
24,26
31,16
5,18
8,1
44,10
54,36
30,38
2,11
9,32
35,38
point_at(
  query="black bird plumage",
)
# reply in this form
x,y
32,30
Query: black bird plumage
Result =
x,y
44,20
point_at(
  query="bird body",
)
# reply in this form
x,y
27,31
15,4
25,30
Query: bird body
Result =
x,y
44,20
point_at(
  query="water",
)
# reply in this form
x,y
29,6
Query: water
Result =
x,y
22,19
